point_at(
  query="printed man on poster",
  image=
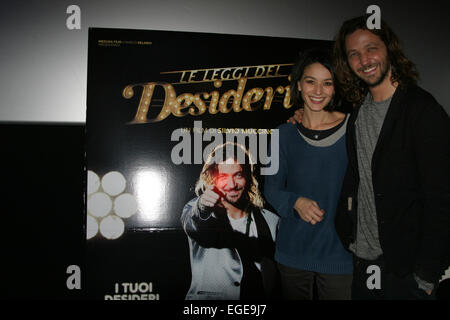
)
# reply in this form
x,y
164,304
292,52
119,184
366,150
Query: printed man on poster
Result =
x,y
231,238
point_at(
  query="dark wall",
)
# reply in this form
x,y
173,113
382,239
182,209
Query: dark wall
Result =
x,y
42,209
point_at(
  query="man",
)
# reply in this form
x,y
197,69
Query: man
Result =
x,y
394,210
231,238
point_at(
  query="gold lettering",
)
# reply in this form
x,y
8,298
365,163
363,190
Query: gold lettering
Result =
x,y
237,73
260,71
196,104
187,99
205,77
146,100
269,97
225,75
236,95
287,98
212,108
147,92
192,75
215,74
270,70
252,96
276,71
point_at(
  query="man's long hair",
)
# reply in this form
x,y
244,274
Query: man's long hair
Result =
x,y
222,153
353,88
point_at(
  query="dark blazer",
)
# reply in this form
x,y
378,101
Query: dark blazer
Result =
x,y
411,182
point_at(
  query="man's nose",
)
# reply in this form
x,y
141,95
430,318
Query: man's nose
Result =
x,y
364,59
230,183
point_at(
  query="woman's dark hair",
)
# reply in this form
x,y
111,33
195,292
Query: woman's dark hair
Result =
x,y
305,59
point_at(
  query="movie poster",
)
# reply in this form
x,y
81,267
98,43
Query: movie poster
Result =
x,y
158,104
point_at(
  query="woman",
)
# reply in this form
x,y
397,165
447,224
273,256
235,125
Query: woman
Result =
x,y
306,189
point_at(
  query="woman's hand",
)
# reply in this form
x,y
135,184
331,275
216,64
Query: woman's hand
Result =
x,y
309,210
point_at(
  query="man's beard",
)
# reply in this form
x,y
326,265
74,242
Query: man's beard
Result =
x,y
384,73
239,203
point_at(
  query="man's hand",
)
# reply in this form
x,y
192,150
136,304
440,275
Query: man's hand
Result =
x,y
309,210
209,198
297,117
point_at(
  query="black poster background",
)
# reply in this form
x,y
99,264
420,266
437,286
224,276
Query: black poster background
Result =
x,y
154,248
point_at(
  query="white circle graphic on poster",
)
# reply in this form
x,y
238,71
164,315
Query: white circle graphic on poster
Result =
x,y
99,204
91,227
113,183
112,227
125,205
93,182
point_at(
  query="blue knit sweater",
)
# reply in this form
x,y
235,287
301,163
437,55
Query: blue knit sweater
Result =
x,y
316,173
